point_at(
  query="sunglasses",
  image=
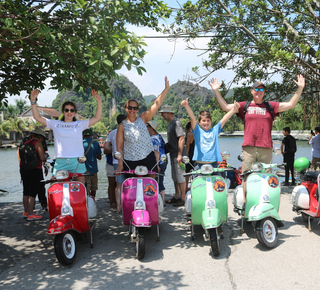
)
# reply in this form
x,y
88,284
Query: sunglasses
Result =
x,y
257,89
71,110
132,108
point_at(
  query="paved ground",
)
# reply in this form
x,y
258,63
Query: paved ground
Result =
x,y
27,258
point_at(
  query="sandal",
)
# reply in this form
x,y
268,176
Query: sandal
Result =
x,y
179,203
172,200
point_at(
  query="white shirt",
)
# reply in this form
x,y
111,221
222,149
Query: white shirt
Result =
x,y
68,141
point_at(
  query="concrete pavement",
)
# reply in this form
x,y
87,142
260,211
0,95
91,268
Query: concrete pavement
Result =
x,y
27,259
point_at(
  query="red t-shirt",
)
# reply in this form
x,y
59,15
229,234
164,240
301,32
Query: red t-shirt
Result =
x,y
258,124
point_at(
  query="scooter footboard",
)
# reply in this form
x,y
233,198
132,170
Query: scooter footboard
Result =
x,y
211,218
263,210
140,218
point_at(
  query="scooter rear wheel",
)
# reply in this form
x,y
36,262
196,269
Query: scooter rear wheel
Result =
x,y
65,247
141,243
267,232
214,240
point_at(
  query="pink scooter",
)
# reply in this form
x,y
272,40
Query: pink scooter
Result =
x,y
141,205
69,210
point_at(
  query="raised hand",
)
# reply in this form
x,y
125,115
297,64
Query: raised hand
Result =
x,y
185,102
300,82
34,94
95,94
214,84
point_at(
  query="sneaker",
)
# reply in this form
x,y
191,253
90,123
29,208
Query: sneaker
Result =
x,y
25,214
34,217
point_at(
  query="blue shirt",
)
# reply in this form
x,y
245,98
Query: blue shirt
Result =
x,y
206,144
94,151
315,141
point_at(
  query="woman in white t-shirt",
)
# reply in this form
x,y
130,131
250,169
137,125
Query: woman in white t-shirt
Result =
x,y
133,139
68,144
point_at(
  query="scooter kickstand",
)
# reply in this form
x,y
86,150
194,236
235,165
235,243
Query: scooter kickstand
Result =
x,y
158,233
309,224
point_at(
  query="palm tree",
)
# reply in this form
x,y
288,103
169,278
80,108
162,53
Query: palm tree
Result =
x,y
17,126
4,130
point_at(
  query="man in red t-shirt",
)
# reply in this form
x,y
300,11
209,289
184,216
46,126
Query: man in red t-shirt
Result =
x,y
257,143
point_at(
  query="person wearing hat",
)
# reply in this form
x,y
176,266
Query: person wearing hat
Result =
x,y
175,134
93,152
31,177
257,142
158,145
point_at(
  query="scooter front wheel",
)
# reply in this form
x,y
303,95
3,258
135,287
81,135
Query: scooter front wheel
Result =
x,y
267,232
141,243
214,240
65,247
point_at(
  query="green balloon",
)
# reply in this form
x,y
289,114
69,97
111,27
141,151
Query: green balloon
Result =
x,y
302,163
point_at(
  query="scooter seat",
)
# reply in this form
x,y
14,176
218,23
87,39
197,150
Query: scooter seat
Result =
x,y
311,176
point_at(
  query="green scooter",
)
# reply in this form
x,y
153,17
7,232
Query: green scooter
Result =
x,y
263,201
206,203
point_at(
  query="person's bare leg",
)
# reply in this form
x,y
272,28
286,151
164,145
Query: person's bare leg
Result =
x,y
177,190
182,187
31,201
25,202
118,197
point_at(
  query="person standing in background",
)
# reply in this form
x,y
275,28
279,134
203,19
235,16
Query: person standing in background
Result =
x,y
288,149
92,152
315,141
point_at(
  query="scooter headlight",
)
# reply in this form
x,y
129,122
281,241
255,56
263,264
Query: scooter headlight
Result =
x,y
139,205
266,198
141,170
65,209
211,204
62,174
206,169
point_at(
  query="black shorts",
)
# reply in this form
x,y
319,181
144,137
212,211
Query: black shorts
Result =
x,y
150,161
31,181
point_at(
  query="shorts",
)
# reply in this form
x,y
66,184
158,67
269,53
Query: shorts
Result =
x,y
109,170
70,164
31,181
176,171
92,181
253,154
119,178
314,163
150,161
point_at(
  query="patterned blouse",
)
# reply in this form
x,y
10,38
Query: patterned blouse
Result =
x,y
137,140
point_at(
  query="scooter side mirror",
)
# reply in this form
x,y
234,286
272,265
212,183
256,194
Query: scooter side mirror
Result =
x,y
185,159
163,158
117,155
82,159
240,158
225,155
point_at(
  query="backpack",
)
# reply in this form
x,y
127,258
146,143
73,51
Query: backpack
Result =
x,y
28,156
269,107
292,145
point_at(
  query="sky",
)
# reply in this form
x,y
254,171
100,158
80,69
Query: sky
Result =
x,y
164,58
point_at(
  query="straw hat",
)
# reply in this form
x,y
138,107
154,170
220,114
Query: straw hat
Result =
x,y
166,109
154,125
39,131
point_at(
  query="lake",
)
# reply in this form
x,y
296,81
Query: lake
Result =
x,y
10,176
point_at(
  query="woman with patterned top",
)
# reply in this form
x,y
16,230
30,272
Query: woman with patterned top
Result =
x,y
133,139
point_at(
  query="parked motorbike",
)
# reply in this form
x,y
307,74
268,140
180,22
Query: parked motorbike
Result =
x,y
233,175
262,205
206,203
305,197
141,204
69,210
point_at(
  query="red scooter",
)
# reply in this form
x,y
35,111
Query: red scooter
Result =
x,y
305,197
69,210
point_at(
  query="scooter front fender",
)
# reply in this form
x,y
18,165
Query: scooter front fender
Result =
x,y
140,218
63,223
211,218
262,210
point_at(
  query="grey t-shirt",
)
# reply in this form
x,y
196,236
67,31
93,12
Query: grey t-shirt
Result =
x,y
175,130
